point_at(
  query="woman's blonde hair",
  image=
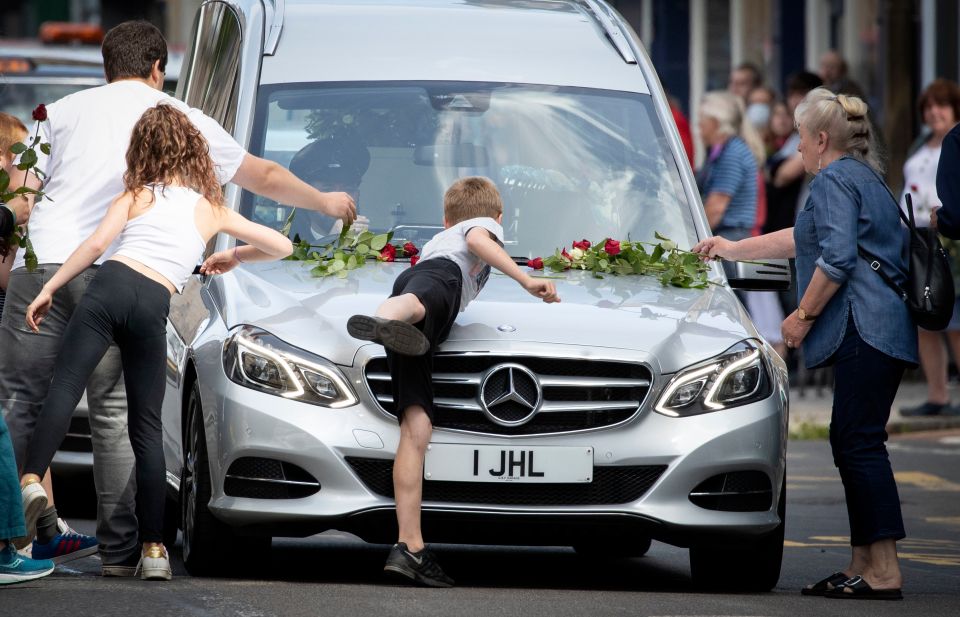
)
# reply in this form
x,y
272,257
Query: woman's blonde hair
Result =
x,y
844,118
728,110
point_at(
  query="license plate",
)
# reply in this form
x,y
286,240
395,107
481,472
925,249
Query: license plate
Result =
x,y
533,464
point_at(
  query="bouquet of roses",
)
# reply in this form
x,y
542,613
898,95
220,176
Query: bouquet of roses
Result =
x,y
664,260
349,251
14,236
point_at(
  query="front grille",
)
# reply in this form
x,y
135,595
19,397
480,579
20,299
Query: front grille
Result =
x,y
78,436
264,478
577,394
737,491
611,485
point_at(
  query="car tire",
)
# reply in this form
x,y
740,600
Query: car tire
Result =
x,y
210,547
171,522
736,567
606,549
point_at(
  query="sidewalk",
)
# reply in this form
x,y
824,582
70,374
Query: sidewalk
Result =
x,y
810,408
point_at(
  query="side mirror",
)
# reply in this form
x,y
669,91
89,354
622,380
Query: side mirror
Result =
x,y
769,275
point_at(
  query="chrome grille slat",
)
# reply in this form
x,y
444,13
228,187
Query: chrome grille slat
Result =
x,y
555,381
575,394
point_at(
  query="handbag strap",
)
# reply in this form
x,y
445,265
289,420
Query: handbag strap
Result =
x,y
874,264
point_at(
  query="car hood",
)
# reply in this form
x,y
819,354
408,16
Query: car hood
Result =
x,y
666,326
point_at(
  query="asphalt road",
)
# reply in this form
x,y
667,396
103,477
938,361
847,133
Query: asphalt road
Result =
x,y
335,574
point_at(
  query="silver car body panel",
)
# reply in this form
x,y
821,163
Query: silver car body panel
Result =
x,y
630,319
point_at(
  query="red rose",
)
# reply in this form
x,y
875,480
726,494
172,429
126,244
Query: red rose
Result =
x,y
566,254
414,259
388,253
612,247
410,250
582,244
40,113
536,263
914,188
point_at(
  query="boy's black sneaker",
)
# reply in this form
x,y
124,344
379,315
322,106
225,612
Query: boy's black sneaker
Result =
x,y
397,336
421,568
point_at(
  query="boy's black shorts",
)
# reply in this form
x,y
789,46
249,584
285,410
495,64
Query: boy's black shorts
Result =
x,y
437,283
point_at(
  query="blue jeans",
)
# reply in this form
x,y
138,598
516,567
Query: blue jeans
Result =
x,y
11,505
865,383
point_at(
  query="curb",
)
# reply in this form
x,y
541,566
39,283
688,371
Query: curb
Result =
x,y
900,426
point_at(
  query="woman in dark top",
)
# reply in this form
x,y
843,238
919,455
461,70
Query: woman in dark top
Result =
x,y
850,319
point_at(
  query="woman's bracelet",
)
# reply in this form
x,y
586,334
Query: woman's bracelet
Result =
x,y
237,256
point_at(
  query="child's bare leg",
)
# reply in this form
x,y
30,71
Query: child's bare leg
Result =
x,y
415,432
405,307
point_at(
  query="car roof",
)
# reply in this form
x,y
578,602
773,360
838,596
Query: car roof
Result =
x,y
555,42
67,60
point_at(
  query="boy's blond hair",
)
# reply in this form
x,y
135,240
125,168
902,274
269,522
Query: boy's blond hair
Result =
x,y
470,198
12,131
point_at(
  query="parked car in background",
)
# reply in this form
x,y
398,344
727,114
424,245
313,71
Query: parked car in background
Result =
x,y
629,412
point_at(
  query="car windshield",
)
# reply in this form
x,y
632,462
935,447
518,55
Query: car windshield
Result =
x,y
570,163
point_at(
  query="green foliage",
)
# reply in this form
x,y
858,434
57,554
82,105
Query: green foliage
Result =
x,y
28,163
350,250
665,261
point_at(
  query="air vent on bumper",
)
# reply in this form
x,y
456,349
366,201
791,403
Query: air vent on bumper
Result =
x,y
264,478
736,491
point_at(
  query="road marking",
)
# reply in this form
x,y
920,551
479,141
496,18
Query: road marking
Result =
x,y
920,550
793,478
926,481
944,520
950,441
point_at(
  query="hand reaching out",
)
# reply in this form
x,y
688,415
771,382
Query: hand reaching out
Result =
x,y
716,247
545,290
220,262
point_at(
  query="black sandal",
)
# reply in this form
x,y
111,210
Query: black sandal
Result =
x,y
828,584
860,590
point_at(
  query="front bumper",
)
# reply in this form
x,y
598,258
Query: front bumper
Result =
x,y
245,423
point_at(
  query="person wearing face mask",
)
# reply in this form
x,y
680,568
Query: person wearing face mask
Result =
x,y
850,319
759,103
940,108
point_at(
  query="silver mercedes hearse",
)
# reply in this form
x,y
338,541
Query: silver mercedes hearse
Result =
x,y
629,412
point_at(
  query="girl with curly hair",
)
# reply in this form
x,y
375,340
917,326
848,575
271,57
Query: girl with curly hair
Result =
x,y
171,207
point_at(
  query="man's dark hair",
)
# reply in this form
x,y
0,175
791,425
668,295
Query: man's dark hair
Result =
x,y
803,82
130,49
756,77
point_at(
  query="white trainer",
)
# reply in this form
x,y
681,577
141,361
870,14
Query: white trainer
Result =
x,y
155,564
34,503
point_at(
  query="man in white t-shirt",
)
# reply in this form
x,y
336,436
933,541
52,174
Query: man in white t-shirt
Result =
x,y
89,133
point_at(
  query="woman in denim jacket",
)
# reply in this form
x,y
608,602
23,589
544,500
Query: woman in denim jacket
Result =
x,y
850,319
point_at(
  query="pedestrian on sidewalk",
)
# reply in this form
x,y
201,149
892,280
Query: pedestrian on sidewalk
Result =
x,y
412,323
89,133
940,108
171,207
850,319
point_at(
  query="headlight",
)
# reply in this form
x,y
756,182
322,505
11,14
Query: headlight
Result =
x,y
736,377
258,360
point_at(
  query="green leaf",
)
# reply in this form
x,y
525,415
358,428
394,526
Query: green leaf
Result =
x,y
18,148
657,253
29,257
365,237
4,181
352,262
285,230
27,160
45,148
363,249
379,241
337,265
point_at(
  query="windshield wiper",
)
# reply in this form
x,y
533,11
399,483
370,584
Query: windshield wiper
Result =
x,y
520,261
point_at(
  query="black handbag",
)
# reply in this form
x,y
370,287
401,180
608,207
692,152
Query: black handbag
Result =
x,y
929,291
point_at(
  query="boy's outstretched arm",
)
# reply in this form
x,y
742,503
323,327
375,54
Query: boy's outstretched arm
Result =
x,y
486,248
